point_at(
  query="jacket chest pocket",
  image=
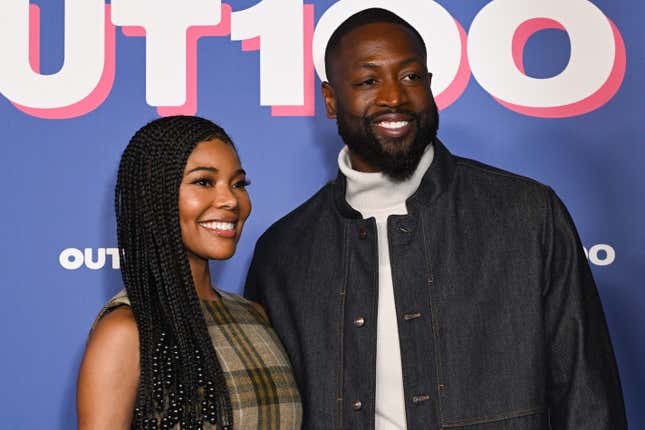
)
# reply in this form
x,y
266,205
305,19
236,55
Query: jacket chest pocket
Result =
x,y
532,419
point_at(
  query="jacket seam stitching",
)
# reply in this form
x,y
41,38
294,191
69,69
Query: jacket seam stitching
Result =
x,y
374,312
404,373
433,319
341,327
548,221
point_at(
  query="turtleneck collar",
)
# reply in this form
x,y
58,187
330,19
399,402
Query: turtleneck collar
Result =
x,y
370,192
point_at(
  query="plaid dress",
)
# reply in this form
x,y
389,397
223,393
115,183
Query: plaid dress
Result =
x,y
264,395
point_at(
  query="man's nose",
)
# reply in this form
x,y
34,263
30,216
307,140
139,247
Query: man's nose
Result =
x,y
391,94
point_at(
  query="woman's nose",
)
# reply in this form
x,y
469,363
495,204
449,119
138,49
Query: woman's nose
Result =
x,y
225,198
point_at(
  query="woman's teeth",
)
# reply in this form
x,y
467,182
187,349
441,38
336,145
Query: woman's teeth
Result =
x,y
215,225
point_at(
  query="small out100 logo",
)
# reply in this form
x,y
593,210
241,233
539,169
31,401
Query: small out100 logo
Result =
x,y
93,259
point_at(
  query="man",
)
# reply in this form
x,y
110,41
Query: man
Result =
x,y
421,290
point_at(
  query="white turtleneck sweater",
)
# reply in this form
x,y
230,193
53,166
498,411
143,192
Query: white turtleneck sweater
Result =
x,y
376,195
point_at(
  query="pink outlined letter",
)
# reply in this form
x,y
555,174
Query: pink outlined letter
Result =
x,y
98,94
192,37
193,34
589,104
459,84
309,106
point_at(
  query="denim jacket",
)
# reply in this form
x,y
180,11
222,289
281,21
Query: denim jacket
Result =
x,y
500,323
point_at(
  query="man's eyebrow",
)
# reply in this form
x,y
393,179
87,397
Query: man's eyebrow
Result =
x,y
368,65
374,65
410,61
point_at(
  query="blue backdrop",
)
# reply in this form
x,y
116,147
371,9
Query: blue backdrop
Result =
x,y
64,126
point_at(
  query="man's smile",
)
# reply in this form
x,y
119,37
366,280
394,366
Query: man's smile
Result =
x,y
392,124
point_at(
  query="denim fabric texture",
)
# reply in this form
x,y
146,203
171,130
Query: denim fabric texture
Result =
x,y
500,323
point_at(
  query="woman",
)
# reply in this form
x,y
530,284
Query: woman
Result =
x,y
171,352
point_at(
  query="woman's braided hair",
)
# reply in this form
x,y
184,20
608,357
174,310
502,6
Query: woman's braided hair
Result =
x,y
181,380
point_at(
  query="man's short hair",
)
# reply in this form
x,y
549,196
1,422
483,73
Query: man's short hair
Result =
x,y
359,19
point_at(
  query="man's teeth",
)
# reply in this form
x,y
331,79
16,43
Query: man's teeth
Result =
x,y
392,125
214,225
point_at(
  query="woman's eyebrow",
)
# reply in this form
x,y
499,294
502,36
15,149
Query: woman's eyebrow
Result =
x,y
207,168
214,170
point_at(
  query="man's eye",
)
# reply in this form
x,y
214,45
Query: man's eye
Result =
x,y
242,184
412,77
366,83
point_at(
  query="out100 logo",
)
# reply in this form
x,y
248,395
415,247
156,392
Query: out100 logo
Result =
x,y
291,50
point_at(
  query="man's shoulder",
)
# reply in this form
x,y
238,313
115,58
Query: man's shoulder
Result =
x,y
299,221
486,177
469,166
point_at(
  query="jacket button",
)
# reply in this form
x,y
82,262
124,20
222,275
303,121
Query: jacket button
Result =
x,y
357,405
362,233
359,322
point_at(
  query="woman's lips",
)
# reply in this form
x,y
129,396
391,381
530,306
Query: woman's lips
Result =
x,y
220,228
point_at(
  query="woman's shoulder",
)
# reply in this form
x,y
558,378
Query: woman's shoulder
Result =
x,y
117,328
119,302
115,336
109,372
116,319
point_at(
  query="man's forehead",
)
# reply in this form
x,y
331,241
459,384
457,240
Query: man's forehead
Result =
x,y
354,15
374,44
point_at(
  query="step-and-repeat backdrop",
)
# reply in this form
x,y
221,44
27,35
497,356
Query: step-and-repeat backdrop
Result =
x,y
550,89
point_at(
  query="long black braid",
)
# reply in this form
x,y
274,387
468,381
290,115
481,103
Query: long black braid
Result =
x,y
181,381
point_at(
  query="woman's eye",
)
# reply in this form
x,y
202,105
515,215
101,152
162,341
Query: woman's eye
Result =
x,y
242,184
204,182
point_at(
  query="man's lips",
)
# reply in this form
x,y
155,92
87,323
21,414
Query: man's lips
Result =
x,y
393,124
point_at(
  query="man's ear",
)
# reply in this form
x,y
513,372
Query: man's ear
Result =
x,y
330,99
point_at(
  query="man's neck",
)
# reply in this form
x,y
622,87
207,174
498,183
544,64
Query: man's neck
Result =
x,y
374,191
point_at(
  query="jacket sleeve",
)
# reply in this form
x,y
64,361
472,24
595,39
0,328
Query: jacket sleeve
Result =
x,y
253,289
263,286
583,387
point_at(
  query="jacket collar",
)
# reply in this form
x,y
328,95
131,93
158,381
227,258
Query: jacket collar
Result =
x,y
434,183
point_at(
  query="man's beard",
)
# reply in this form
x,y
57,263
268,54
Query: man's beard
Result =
x,y
390,155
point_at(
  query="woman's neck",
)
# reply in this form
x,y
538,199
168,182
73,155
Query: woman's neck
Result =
x,y
202,279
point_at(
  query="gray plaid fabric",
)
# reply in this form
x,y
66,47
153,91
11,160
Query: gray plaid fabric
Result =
x,y
264,395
